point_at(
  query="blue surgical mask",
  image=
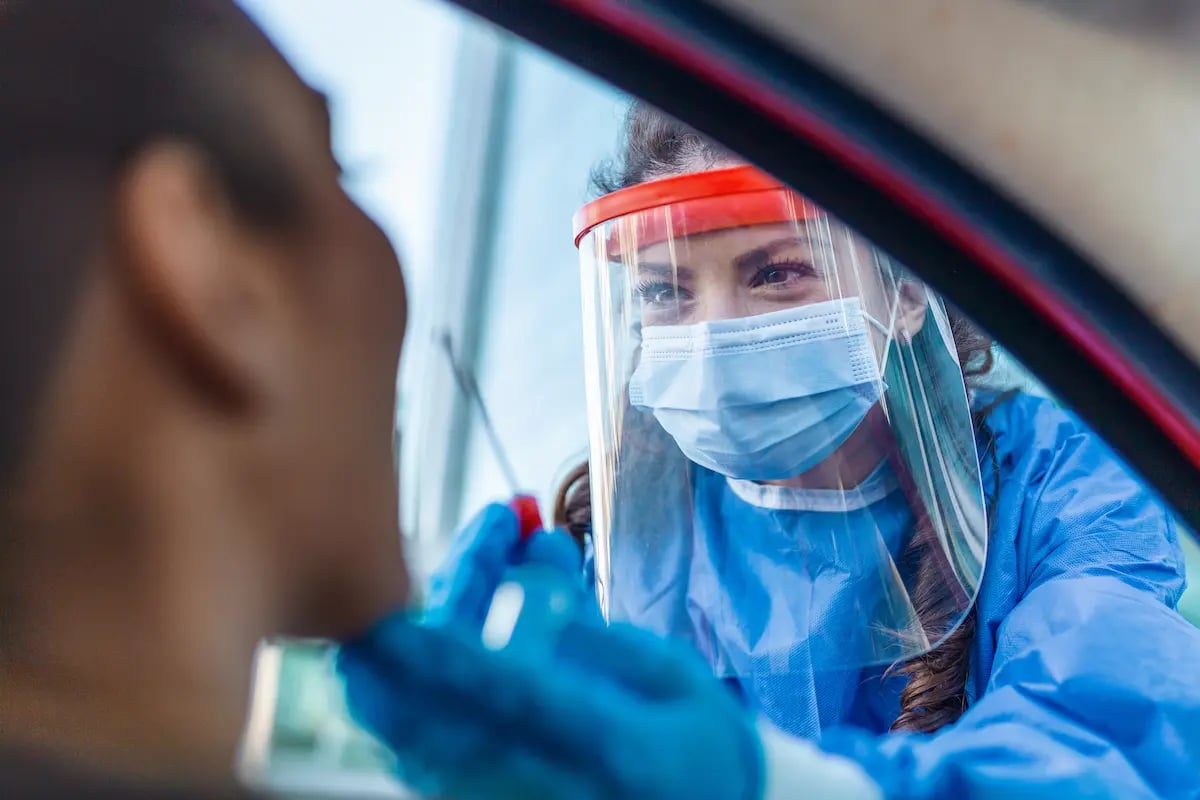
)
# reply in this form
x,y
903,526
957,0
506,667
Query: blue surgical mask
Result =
x,y
765,397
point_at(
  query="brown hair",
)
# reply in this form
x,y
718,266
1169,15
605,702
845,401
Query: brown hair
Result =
x,y
655,145
84,87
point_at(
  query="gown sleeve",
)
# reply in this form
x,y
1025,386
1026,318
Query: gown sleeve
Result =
x,y
1091,687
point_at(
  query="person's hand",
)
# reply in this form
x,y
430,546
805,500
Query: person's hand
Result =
x,y
596,713
481,556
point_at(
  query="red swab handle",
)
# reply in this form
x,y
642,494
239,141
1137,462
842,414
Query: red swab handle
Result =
x,y
529,518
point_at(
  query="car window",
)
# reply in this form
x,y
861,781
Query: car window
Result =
x,y
472,149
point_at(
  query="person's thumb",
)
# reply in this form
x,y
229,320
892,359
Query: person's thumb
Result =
x,y
556,549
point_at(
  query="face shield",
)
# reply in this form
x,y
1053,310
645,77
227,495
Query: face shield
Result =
x,y
783,463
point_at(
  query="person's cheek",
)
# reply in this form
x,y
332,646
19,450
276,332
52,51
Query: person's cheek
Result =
x,y
392,293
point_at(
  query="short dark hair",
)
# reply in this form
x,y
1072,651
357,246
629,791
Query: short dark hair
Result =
x,y
85,85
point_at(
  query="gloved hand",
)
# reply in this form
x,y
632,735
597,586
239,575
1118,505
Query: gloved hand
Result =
x,y
481,556
600,713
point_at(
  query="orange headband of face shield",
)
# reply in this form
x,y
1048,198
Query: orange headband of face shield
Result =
x,y
688,205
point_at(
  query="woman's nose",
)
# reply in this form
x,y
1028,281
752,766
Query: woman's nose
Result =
x,y
721,304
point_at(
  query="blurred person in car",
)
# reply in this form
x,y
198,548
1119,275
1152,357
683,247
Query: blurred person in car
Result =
x,y
200,333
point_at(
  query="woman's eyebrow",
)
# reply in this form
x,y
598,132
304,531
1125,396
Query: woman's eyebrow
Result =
x,y
760,255
664,271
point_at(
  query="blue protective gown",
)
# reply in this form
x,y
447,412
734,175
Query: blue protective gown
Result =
x,y
1083,679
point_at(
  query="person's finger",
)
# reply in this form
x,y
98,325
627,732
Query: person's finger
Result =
x,y
372,703
530,774
488,540
556,549
555,710
427,729
478,559
414,653
514,772
533,746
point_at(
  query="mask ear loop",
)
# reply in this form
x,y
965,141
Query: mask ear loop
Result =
x,y
887,330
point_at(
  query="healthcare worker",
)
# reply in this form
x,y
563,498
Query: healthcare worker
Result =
x,y
792,480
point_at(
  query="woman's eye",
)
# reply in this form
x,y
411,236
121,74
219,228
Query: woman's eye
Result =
x,y
778,275
658,293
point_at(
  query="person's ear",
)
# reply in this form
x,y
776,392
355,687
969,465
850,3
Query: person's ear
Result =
x,y
914,307
209,291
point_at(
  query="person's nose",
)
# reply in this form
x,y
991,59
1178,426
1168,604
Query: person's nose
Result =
x,y
719,302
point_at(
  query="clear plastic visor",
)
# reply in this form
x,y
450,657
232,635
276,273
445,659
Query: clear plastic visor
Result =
x,y
784,467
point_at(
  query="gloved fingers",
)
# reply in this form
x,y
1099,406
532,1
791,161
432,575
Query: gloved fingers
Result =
x,y
490,537
432,735
448,764
408,659
371,701
633,658
434,749
560,551
556,549
441,673
531,774
536,733
515,774
378,633
464,721
462,587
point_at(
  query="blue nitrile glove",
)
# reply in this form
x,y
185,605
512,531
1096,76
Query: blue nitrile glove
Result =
x,y
594,713
541,595
460,590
